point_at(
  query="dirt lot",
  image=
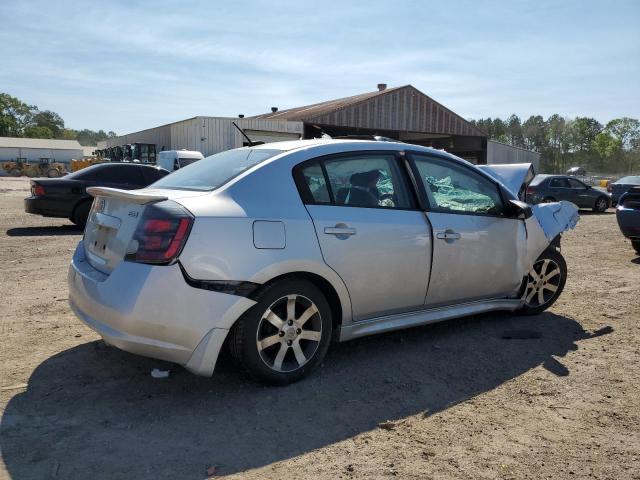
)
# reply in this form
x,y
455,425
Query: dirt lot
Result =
x,y
462,400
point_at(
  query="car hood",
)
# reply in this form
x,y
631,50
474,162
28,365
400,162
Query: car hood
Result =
x,y
514,176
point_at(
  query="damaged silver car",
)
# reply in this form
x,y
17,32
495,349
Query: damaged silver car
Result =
x,y
276,250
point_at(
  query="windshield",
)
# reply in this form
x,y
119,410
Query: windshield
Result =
x,y
183,162
214,171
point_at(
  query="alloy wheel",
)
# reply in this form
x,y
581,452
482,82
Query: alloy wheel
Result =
x,y
601,205
542,282
289,333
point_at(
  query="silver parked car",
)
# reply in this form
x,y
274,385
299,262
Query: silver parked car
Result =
x,y
275,250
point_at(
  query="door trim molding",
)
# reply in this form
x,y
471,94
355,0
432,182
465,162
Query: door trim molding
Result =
x,y
424,317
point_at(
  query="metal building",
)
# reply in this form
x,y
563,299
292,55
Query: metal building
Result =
x,y
34,149
402,113
501,153
210,135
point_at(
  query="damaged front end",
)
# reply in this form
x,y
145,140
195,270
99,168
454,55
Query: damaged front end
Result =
x,y
549,220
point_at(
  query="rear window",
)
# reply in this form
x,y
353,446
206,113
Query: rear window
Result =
x,y
214,171
537,180
632,180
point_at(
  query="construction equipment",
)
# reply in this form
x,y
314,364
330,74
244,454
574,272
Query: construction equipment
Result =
x,y
44,168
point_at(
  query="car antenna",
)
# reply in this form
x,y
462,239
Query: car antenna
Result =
x,y
251,143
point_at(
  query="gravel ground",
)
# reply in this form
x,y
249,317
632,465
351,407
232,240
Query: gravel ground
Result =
x,y
462,399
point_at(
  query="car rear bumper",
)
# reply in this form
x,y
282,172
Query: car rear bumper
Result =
x,y
42,206
629,222
151,311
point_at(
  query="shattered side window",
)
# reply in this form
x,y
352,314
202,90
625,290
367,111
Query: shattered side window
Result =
x,y
455,189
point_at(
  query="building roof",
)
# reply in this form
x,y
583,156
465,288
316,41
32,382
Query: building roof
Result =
x,y
402,108
322,108
48,143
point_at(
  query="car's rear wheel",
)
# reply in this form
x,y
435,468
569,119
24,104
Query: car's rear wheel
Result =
x,y
636,246
601,205
286,334
53,173
545,282
81,214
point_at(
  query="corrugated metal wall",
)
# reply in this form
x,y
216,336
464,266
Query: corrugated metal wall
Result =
x,y
208,135
404,109
34,154
498,153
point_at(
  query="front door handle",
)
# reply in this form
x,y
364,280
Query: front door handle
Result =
x,y
448,235
339,231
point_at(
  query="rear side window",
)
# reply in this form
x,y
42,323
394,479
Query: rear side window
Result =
x,y
214,171
362,180
559,183
314,180
121,174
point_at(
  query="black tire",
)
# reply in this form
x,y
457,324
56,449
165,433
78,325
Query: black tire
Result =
x,y
81,213
53,173
533,305
601,204
15,172
249,331
636,246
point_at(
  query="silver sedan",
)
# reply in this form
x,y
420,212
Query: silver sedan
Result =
x,y
277,250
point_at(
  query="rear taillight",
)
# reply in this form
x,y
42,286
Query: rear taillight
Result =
x,y
530,190
609,188
37,190
161,233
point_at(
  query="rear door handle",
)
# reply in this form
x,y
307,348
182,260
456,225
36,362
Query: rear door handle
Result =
x,y
339,231
448,235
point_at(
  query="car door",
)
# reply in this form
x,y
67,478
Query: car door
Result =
x,y
369,229
582,195
478,251
559,189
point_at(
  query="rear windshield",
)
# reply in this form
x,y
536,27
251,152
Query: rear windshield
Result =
x,y
214,171
537,180
183,162
629,180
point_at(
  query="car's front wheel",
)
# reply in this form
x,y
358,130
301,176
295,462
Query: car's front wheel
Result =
x,y
286,334
545,282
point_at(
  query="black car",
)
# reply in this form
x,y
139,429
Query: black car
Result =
x,y
628,215
67,197
617,188
553,188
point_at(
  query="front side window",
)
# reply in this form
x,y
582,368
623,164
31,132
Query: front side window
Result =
x,y
452,188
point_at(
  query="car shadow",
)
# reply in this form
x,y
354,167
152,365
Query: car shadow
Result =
x,y
586,212
44,231
95,412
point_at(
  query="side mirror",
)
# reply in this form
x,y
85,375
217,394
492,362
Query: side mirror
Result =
x,y
520,209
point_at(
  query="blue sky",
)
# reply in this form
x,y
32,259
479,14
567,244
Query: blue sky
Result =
x,y
127,66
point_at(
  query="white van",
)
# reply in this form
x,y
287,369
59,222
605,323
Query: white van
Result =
x,y
174,159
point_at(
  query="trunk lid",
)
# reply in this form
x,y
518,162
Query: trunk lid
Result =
x,y
113,220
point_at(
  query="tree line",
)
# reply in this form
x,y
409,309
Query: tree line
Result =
x,y
563,142
18,119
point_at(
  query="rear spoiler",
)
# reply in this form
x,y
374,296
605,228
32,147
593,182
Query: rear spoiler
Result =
x,y
133,196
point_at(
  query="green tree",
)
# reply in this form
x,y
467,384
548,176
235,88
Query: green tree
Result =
x,y
36,131
582,132
534,132
514,131
15,116
50,120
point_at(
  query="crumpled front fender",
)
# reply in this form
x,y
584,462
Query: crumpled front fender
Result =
x,y
547,222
